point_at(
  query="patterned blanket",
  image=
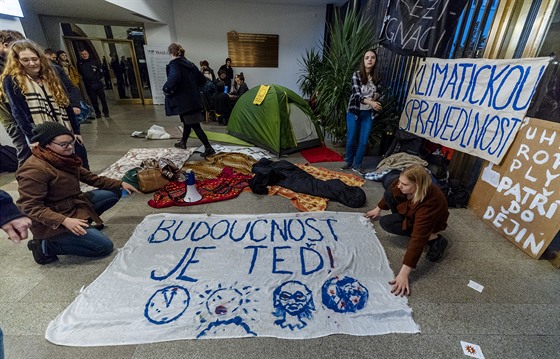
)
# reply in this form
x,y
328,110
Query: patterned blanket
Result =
x,y
308,203
227,185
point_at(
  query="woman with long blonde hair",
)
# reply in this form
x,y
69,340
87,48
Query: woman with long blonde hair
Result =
x,y
35,92
419,211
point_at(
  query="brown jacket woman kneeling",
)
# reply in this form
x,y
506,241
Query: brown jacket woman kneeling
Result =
x,y
419,211
49,187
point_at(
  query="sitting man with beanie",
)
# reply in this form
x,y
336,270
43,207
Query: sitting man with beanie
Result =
x,y
62,215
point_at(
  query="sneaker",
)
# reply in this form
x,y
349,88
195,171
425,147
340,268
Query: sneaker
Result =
x,y
98,116
360,170
106,115
345,167
436,248
208,152
181,144
40,257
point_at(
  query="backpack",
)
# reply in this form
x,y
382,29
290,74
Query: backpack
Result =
x,y
405,142
457,194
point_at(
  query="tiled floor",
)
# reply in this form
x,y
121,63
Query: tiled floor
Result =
x,y
516,316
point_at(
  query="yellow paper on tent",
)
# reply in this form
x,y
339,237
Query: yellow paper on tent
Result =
x,y
263,90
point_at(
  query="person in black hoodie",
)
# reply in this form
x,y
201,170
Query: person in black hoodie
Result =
x,y
183,98
91,75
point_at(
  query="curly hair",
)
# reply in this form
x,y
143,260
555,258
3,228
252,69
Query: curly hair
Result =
x,y
15,69
9,36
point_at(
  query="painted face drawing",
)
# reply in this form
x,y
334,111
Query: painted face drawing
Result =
x,y
293,302
227,310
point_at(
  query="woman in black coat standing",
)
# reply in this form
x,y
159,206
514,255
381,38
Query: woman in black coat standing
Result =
x,y
183,98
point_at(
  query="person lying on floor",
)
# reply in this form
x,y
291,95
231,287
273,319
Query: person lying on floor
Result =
x,y
49,187
419,211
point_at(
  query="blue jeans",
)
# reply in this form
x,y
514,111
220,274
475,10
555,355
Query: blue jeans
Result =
x,y
358,129
92,244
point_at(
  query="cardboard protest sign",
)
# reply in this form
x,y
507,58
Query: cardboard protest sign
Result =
x,y
286,275
521,198
471,105
420,27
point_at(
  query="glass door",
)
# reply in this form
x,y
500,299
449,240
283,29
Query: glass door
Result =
x,y
117,58
123,70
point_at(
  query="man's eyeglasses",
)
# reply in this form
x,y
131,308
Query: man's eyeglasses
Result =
x,y
65,144
26,60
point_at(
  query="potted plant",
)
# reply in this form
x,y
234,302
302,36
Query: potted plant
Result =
x,y
350,38
309,74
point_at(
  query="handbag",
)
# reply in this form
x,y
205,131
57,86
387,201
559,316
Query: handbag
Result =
x,y
170,171
131,177
150,180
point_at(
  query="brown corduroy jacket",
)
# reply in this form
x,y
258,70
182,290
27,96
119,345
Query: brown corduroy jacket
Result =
x,y
48,195
427,217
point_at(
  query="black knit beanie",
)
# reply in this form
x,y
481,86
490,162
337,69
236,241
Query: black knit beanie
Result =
x,y
46,131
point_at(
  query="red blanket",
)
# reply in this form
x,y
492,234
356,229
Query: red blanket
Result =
x,y
321,154
228,184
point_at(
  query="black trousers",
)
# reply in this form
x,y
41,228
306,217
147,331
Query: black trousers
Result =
x,y
393,222
199,133
18,138
94,92
80,151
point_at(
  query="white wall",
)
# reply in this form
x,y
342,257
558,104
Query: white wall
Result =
x,y
159,34
32,25
160,10
11,23
202,28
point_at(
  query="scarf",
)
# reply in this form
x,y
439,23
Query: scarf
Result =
x,y
42,106
64,163
65,66
70,164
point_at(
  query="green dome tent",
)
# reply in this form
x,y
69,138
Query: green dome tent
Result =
x,y
283,123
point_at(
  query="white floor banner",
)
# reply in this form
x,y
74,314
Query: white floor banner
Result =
x,y
294,275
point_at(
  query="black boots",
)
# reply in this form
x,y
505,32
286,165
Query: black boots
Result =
x,y
181,144
40,257
208,151
436,248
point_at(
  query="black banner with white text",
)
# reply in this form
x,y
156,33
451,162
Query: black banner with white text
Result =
x,y
420,27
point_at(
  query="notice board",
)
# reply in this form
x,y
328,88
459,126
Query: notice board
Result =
x,y
520,198
253,50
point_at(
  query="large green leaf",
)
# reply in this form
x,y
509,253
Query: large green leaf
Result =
x,y
350,38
